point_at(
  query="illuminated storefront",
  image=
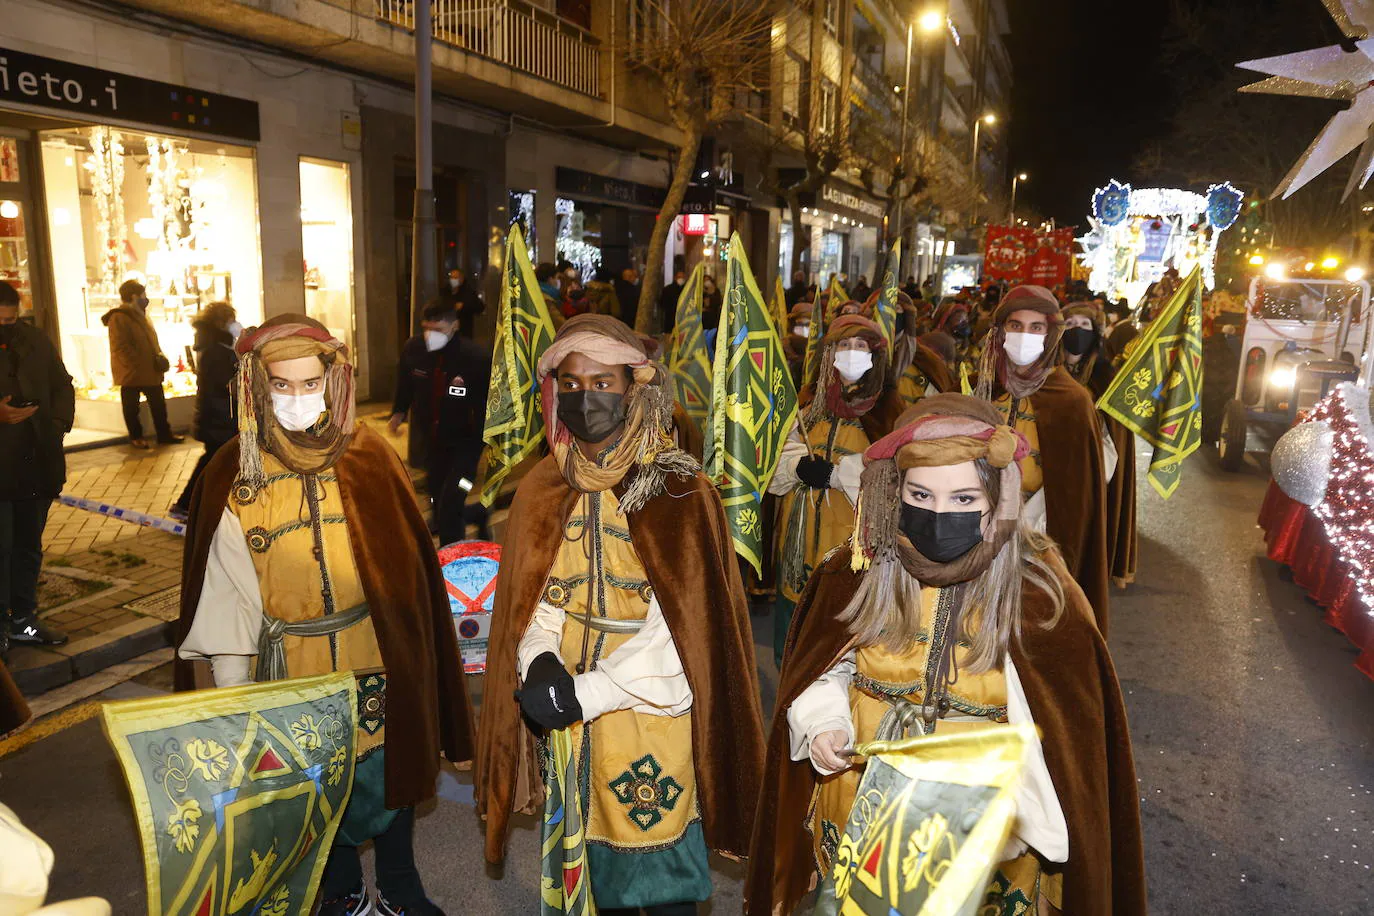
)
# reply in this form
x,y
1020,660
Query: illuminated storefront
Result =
x,y
327,242
178,214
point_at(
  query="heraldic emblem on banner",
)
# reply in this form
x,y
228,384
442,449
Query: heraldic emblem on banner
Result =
x,y
238,792
929,820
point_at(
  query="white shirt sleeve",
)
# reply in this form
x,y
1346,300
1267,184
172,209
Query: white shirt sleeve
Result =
x,y
785,479
645,675
848,472
1040,819
544,634
1110,458
228,615
820,708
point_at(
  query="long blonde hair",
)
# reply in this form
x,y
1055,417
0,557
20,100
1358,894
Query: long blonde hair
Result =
x,y
886,607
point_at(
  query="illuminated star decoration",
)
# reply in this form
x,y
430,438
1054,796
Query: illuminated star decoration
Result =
x,y
1347,511
1332,72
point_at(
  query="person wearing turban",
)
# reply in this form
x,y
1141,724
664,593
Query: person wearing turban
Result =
x,y
852,405
620,615
1064,477
1085,359
796,334
307,553
947,613
919,370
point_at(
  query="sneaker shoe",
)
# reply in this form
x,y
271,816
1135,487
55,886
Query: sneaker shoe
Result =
x,y
28,630
178,514
170,439
142,444
354,904
384,908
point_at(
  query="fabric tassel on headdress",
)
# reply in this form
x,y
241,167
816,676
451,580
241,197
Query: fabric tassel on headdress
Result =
x,y
250,453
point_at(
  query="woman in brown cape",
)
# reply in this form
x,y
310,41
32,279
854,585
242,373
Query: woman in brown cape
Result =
x,y
942,534
620,526
1086,361
852,405
1063,478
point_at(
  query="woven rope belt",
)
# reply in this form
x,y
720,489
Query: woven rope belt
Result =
x,y
271,651
607,624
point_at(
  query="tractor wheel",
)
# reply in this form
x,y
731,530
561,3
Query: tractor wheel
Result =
x,y
1234,426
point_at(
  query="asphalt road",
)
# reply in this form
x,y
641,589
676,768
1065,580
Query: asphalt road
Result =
x,y
1252,735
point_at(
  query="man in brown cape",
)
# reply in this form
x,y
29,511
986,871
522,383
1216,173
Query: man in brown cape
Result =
x,y
357,586
1084,734
1063,478
619,615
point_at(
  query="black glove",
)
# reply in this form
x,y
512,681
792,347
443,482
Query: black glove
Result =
x,y
815,472
548,697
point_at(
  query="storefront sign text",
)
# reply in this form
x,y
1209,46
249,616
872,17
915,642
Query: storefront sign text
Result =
x,y
842,198
43,82
610,190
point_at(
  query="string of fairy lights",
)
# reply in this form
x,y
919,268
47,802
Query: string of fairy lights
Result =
x,y
1347,511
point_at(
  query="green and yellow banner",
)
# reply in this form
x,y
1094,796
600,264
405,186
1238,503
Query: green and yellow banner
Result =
x,y
780,310
565,886
514,425
935,814
885,310
1157,393
753,406
689,361
238,792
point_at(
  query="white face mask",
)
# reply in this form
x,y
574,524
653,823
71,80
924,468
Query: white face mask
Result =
x,y
436,340
454,283
1024,349
297,412
852,364
234,329
801,330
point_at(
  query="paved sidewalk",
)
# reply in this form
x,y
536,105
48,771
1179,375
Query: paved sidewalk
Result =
x,y
113,586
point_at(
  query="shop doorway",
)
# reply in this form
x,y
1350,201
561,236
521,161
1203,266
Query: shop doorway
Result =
x,y
451,237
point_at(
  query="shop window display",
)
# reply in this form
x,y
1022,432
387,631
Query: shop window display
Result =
x,y
579,235
14,252
178,215
327,243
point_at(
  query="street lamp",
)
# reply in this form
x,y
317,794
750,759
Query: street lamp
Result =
x,y
989,119
1016,179
929,22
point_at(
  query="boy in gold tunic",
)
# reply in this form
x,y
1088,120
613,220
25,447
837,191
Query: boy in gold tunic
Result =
x,y
307,554
620,616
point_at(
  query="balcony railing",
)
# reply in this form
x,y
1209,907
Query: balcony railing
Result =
x,y
510,32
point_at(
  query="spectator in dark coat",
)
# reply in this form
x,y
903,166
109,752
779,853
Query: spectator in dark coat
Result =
x,y
627,294
667,302
37,408
461,295
217,328
797,291
442,382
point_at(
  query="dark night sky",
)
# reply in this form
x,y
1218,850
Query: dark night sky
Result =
x,y
1086,95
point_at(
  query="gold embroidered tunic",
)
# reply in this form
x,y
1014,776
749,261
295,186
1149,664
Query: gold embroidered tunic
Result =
x,y
973,701
1032,467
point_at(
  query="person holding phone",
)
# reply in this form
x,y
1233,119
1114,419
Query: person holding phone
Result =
x,y
37,407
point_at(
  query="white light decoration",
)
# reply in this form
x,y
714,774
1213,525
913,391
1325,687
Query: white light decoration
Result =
x,y
9,209
1347,511
1111,252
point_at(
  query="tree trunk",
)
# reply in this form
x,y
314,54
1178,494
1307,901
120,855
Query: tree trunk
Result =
x,y
651,286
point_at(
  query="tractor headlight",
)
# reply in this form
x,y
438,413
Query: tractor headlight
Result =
x,y
1283,377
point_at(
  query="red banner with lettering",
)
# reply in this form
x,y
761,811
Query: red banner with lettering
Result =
x,y
1019,254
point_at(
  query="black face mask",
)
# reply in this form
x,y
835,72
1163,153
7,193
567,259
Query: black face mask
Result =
x,y
1079,341
964,330
591,416
941,536
7,333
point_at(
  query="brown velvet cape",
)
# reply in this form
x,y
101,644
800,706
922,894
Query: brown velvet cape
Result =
x,y
427,706
1076,701
14,712
1075,489
1122,545
683,539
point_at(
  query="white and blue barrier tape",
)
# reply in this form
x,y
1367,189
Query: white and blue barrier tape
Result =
x,y
124,515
